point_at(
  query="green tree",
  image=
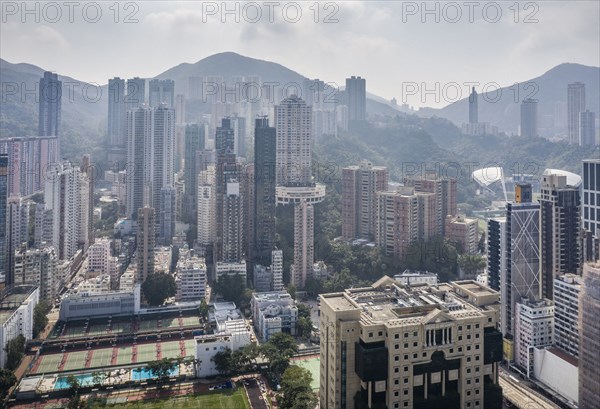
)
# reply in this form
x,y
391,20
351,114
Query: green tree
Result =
x,y
278,351
73,383
158,287
40,317
231,288
15,350
203,309
162,368
471,264
7,380
297,393
222,360
292,290
304,324
313,286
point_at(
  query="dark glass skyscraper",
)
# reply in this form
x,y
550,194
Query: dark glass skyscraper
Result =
x,y
529,112
265,145
50,102
356,97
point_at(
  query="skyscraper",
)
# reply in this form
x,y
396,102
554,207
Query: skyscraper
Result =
x,y
445,193
575,105
50,104
136,93
360,185
473,107
566,312
161,92
560,217
265,144
151,145
3,199
397,225
356,97
529,118
587,128
17,232
522,278
194,143
591,196
146,240
293,124
496,252
589,336
167,215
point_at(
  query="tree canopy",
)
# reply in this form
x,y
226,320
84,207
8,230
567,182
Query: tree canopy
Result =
x,y
297,393
158,287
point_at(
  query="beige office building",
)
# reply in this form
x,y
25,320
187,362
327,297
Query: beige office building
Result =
x,y
424,346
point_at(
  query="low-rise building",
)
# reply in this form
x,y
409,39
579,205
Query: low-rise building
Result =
x,y
190,279
231,269
409,277
534,328
16,314
76,306
274,312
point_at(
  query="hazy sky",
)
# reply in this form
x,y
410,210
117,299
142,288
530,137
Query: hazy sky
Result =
x,y
392,44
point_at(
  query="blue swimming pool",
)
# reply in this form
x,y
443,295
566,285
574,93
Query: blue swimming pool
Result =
x,y
142,374
84,380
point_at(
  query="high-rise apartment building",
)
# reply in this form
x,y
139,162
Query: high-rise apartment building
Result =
x,y
575,105
39,267
589,336
293,124
529,118
190,279
397,224
151,145
445,191
587,128
356,98
50,105
29,158
136,93
360,185
67,196
206,210
117,137
566,312
161,92
463,231
398,346
17,232
195,140
265,145
167,215
560,230
146,241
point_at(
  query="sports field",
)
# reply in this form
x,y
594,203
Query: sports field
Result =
x,y
228,399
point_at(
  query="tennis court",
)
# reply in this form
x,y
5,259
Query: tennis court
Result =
x,y
146,352
190,321
150,325
48,363
101,358
170,323
121,328
75,360
171,349
98,329
190,347
124,355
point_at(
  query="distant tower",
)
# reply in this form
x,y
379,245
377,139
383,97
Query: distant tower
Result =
x,y
587,128
50,104
575,105
591,187
265,143
529,113
161,92
136,93
116,114
356,97
473,107
293,124
146,237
